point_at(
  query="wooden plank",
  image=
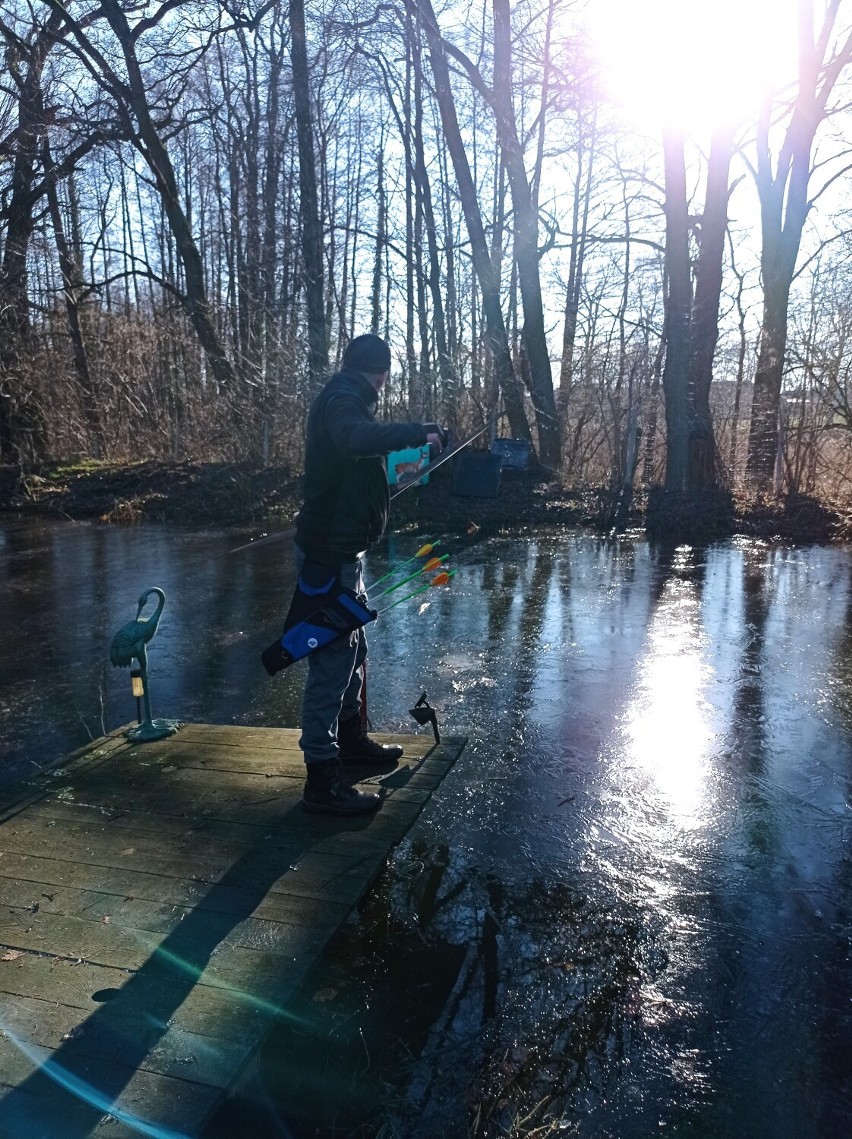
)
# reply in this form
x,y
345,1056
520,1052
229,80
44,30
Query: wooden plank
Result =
x,y
396,784
261,930
324,877
207,1010
177,766
97,843
196,936
24,791
140,767
224,757
282,815
39,1104
133,1041
158,905
123,906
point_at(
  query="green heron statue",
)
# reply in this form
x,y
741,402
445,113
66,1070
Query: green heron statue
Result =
x,y
129,644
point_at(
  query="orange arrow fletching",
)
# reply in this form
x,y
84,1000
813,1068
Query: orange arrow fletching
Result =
x,y
432,563
442,578
427,549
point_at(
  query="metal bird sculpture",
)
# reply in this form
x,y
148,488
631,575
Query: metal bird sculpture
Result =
x,y
129,644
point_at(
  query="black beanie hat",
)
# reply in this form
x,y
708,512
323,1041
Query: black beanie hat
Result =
x,y
368,353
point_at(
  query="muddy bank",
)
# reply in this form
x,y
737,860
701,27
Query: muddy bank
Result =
x,y
235,495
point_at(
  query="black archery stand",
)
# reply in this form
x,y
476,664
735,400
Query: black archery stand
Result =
x,y
424,713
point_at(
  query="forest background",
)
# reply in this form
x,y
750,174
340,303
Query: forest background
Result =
x,y
200,203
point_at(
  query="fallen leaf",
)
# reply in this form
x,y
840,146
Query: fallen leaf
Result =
x,y
11,955
129,850
105,919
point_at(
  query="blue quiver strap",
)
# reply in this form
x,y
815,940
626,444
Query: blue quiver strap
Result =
x,y
316,618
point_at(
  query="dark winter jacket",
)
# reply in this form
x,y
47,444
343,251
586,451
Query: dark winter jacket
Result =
x,y
346,487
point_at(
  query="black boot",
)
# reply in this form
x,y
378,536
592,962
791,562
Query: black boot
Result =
x,y
357,747
326,792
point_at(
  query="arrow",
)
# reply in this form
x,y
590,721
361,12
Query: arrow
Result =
x,y
433,563
255,542
421,553
441,579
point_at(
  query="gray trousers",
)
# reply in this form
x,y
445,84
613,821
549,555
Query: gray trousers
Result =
x,y
333,685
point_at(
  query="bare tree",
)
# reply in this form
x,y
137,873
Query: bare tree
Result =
x,y
499,96
482,260
785,201
312,237
131,98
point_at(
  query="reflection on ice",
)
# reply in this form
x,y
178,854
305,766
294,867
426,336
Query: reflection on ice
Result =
x,y
668,719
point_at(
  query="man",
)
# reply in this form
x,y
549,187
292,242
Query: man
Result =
x,y
344,513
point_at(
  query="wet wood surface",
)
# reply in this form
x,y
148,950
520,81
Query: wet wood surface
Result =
x,y
159,904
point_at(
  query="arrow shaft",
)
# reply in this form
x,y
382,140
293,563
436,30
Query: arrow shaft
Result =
x,y
407,597
422,589
411,576
427,549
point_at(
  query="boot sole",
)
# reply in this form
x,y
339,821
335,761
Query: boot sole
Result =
x,y
371,764
357,760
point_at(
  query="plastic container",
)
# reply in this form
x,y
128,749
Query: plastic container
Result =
x,y
476,474
515,453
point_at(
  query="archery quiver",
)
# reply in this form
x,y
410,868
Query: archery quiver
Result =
x,y
316,618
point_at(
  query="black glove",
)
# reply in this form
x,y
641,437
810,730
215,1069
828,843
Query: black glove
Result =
x,y
436,429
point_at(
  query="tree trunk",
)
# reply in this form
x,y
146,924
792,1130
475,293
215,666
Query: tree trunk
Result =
x,y
22,430
766,397
677,311
742,346
526,243
276,141
312,237
411,106
704,325
446,367
379,250
71,289
576,263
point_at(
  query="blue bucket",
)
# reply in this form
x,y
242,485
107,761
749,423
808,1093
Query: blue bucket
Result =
x,y
515,453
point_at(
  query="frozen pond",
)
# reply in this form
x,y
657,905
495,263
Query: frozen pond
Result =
x,y
633,891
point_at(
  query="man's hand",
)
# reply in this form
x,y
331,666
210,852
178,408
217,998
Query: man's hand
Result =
x,y
436,436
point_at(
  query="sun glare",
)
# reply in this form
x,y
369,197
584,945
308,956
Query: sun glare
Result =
x,y
692,63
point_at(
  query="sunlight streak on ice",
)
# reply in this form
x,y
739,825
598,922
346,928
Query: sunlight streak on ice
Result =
x,y
668,723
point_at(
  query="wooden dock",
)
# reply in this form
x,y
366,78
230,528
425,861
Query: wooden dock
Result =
x,y
159,903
